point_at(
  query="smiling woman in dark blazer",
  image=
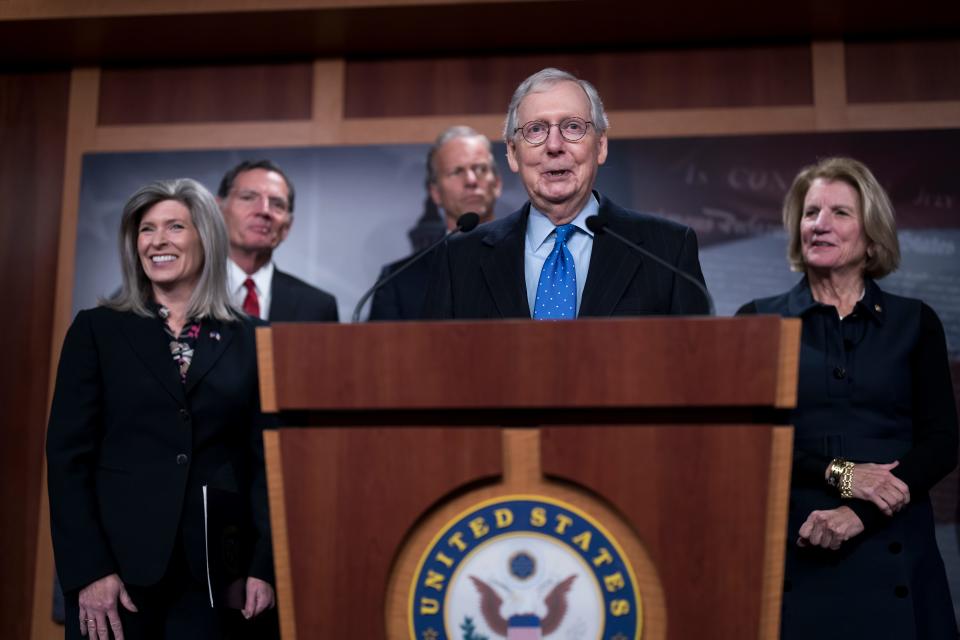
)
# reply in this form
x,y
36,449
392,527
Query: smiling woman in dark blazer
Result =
x,y
875,423
157,397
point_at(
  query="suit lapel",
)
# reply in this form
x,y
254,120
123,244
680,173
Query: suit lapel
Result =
x,y
283,299
151,345
214,338
613,266
502,267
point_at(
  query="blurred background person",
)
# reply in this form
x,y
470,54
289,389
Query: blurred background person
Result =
x,y
876,424
462,176
157,399
257,199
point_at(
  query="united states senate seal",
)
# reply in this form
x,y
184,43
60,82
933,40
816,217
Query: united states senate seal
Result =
x,y
524,567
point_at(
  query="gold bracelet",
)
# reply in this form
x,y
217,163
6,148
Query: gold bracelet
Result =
x,y
840,476
834,471
846,480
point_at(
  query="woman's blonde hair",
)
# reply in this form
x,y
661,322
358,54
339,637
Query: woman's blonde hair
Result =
x,y
883,248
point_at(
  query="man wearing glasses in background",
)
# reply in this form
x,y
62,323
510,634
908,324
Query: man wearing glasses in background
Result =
x,y
462,176
543,261
256,199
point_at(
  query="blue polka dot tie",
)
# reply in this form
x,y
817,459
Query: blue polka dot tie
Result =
x,y
557,289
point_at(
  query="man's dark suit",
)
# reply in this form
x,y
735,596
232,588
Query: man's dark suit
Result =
x,y
293,300
481,274
402,298
129,446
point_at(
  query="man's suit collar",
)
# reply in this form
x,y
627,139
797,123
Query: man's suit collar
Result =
x,y
613,265
262,276
502,266
283,296
493,233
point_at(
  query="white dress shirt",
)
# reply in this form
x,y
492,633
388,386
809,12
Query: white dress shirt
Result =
x,y
261,280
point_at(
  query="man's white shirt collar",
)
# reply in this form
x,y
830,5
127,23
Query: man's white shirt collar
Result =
x,y
261,280
539,226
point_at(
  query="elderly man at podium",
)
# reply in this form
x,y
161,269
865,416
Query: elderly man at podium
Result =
x,y
545,260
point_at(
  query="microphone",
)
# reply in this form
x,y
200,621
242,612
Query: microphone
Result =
x,y
465,224
598,226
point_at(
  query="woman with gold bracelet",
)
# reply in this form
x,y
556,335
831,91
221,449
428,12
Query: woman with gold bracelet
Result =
x,y
875,423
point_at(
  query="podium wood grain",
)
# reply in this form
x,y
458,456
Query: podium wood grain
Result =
x,y
664,427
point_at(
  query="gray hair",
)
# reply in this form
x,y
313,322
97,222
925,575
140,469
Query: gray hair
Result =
x,y
452,133
210,298
876,211
543,80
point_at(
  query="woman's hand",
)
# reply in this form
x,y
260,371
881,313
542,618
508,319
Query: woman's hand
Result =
x,y
830,528
259,597
98,608
875,483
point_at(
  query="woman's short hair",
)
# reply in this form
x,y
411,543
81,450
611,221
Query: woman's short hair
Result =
x,y
543,80
879,225
210,298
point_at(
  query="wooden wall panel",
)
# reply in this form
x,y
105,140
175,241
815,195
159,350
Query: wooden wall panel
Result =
x,y
226,93
639,80
903,71
33,116
125,32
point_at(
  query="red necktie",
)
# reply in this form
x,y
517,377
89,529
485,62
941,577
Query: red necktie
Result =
x,y
251,304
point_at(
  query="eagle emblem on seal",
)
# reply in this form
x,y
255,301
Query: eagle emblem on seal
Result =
x,y
522,620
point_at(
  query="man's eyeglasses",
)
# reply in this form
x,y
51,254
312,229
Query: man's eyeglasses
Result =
x,y
537,131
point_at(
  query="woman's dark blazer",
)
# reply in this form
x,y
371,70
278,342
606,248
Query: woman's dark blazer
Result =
x,y
129,446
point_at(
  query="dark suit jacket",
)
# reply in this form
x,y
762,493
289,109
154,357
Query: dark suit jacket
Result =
x,y
129,446
293,300
481,274
402,298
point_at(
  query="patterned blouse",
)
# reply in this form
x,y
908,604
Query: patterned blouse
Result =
x,y
182,346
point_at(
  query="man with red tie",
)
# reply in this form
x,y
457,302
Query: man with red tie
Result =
x,y
256,199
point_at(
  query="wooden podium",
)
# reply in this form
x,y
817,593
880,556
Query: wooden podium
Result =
x,y
666,428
